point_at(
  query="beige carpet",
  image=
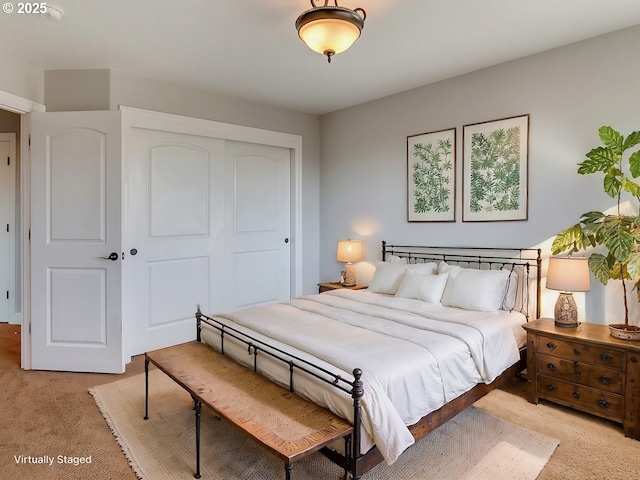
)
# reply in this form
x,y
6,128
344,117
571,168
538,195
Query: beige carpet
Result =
x,y
474,445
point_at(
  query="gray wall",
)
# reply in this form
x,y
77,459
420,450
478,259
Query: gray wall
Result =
x,y
569,93
21,78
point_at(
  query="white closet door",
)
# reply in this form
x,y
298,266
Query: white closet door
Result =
x,y
207,224
76,311
257,226
175,201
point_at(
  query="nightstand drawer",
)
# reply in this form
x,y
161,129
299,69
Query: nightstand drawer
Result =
x,y
581,352
594,376
591,400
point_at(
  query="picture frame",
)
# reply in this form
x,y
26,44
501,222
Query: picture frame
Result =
x,y
431,176
495,170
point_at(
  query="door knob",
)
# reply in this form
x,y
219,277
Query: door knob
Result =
x,y
113,256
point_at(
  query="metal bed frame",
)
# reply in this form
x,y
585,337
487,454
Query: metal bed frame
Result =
x,y
358,462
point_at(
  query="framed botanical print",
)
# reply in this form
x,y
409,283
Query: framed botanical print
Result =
x,y
431,176
495,170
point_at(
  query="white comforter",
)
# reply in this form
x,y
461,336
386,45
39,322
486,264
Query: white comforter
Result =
x,y
415,356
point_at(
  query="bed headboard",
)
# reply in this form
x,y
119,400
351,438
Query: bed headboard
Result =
x,y
525,260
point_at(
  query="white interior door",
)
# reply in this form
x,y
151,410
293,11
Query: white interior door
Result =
x,y
7,226
175,204
76,309
258,223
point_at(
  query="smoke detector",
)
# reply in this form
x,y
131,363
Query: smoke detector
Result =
x,y
54,11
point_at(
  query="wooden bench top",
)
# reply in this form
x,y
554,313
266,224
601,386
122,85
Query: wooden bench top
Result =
x,y
286,424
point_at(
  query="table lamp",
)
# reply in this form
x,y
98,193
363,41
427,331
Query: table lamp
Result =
x,y
567,274
349,251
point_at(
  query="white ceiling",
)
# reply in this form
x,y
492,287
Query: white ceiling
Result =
x,y
250,48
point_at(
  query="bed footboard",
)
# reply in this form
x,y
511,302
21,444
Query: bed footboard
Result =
x,y
354,388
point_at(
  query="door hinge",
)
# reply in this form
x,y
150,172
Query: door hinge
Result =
x,y
7,227
29,139
8,161
7,294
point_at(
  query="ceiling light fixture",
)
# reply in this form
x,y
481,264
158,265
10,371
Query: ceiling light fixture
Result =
x,y
330,29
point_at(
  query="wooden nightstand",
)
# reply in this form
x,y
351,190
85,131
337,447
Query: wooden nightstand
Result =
x,y
326,286
587,369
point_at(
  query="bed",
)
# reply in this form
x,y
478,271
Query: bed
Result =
x,y
437,329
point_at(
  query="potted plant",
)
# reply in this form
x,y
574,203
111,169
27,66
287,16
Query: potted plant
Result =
x,y
618,234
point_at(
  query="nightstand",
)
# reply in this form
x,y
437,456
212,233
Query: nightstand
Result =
x,y
326,286
587,369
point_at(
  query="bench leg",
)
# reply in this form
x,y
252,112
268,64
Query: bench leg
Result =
x,y
287,471
146,389
347,456
198,408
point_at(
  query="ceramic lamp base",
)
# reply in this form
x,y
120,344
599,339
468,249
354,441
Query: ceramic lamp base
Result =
x,y
566,311
349,275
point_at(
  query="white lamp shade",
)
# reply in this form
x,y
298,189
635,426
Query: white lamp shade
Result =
x,y
329,34
568,274
349,251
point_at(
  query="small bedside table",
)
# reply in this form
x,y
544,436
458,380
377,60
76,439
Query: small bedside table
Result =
x,y
587,369
326,286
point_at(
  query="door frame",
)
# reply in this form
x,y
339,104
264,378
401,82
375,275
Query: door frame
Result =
x,y
24,107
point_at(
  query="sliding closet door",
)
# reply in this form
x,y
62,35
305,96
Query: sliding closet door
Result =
x,y
174,225
208,224
258,220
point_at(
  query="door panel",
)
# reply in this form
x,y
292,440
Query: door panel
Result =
x,y
174,188
76,304
87,198
258,224
78,307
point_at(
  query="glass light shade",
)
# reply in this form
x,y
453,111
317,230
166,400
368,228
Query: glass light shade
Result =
x,y
568,274
349,251
329,34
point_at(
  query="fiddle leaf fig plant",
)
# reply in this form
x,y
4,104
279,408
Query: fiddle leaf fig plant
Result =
x,y
617,233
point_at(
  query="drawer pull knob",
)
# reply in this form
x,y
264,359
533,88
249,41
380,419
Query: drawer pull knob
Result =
x,y
603,403
576,351
576,373
551,346
606,357
551,366
551,388
576,395
606,380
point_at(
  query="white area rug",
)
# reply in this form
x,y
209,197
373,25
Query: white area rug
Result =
x,y
473,445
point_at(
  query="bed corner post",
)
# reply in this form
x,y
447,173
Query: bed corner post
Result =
x,y
384,250
356,394
198,323
538,283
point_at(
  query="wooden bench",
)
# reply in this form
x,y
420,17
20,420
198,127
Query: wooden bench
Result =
x,y
287,425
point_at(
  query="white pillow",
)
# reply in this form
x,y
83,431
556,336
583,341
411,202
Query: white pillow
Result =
x,y
429,268
396,259
425,287
388,276
473,289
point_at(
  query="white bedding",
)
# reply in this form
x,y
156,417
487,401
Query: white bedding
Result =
x,y
415,356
